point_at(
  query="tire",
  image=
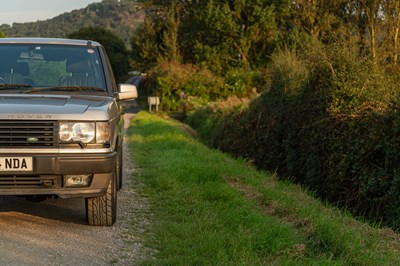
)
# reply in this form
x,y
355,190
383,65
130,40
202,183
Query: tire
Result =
x,y
120,169
102,211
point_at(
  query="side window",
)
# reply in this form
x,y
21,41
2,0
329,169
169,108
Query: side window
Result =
x,y
108,69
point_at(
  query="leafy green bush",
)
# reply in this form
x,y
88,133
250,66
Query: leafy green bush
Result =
x,y
329,119
166,81
288,72
208,118
188,87
244,83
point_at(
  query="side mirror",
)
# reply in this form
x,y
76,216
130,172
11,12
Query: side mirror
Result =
x,y
126,92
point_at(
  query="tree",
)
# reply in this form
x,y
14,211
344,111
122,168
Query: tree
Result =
x,y
145,44
371,9
391,10
115,47
170,42
213,34
329,21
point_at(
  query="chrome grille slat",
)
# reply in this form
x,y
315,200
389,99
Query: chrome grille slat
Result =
x,y
24,133
13,131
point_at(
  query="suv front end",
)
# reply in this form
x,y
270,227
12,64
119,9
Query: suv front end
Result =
x,y
61,126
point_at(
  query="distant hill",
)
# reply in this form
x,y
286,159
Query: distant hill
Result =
x,y
120,17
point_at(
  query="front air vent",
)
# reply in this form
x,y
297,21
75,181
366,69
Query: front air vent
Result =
x,y
21,134
28,181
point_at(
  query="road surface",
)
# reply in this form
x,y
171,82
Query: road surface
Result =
x,y
54,232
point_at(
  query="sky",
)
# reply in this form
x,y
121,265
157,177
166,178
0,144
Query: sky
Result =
x,y
33,10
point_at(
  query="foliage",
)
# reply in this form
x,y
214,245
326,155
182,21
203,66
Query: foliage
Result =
x,y
217,35
210,209
330,124
232,36
144,48
222,35
120,17
185,86
114,46
244,83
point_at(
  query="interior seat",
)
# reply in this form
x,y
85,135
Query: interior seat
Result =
x,y
22,68
80,74
9,76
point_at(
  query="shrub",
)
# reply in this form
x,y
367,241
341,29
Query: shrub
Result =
x,y
329,119
243,83
288,72
170,80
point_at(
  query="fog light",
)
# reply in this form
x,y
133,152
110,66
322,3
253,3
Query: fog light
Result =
x,y
77,180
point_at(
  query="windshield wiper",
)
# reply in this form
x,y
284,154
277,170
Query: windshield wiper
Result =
x,y
14,86
64,88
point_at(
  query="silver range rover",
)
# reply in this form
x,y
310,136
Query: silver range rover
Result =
x,y
61,126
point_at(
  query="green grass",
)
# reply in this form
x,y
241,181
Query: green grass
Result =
x,y
210,209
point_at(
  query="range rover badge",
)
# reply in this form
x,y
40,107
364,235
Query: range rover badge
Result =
x,y
32,140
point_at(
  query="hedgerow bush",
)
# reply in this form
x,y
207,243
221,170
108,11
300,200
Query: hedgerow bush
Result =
x,y
168,80
187,86
329,119
209,120
243,83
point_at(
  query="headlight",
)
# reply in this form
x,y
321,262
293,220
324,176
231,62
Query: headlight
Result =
x,y
83,132
80,132
102,132
65,131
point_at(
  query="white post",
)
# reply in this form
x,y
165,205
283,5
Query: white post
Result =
x,y
153,100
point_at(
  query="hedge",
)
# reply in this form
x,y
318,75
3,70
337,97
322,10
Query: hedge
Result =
x,y
328,120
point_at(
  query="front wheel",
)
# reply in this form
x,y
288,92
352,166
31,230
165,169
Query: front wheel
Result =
x,y
102,211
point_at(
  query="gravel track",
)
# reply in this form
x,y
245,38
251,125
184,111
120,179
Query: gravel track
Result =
x,y
54,232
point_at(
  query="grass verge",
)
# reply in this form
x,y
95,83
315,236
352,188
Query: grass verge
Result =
x,y
212,209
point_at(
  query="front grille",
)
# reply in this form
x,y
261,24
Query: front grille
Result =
x,y
28,134
29,181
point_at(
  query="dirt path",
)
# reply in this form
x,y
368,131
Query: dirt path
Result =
x,y
54,232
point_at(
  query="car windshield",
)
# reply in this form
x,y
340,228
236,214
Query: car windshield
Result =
x,y
26,66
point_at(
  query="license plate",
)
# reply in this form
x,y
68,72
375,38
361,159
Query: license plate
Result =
x,y
20,164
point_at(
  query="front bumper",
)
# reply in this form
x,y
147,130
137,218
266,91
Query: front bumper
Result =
x,y
47,176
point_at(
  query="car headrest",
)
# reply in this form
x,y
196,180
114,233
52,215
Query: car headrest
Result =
x,y
21,68
82,66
